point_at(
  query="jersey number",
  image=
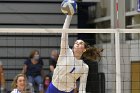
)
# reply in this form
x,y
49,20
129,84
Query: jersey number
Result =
x,y
72,69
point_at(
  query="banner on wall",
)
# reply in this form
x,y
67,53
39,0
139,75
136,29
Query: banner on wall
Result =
x,y
138,5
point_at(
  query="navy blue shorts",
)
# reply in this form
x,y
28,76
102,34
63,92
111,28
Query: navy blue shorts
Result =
x,y
53,89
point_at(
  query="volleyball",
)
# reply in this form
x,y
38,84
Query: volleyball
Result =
x,y
69,7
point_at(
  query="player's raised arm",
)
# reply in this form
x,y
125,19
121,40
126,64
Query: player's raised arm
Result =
x,y
68,7
64,36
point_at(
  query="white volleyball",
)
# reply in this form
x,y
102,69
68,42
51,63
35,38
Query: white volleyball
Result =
x,y
69,7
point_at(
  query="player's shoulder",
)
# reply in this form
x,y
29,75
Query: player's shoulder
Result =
x,y
85,65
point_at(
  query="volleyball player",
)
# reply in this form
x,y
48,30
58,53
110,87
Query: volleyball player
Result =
x,y
70,66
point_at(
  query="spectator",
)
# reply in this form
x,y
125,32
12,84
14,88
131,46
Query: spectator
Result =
x,y
33,68
19,83
93,75
46,82
53,61
2,79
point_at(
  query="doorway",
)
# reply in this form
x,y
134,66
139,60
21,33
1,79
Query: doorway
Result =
x,y
135,77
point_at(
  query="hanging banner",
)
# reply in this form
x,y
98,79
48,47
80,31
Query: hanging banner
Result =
x,y
138,5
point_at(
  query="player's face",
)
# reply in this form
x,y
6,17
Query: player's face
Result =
x,y
21,83
79,46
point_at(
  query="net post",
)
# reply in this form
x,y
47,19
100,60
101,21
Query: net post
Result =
x,y
117,51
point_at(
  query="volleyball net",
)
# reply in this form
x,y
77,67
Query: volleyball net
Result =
x,y
119,64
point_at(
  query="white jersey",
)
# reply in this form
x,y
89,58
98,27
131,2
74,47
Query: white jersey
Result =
x,y
68,70
15,91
